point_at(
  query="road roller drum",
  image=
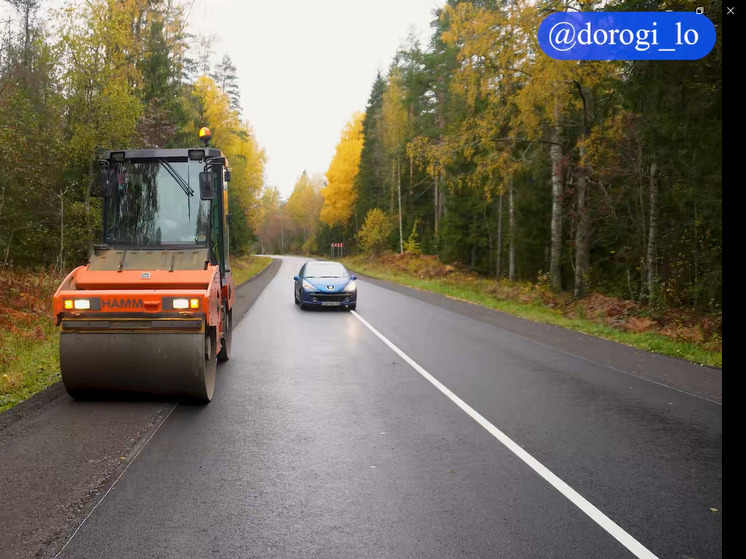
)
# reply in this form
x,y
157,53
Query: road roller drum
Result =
x,y
169,364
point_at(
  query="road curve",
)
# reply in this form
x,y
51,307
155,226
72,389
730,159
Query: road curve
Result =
x,y
322,441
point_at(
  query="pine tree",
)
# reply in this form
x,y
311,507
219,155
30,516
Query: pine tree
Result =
x,y
226,77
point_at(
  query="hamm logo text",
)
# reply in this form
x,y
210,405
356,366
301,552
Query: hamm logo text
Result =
x,y
121,304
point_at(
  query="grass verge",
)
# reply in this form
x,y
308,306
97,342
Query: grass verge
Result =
x,y
247,267
29,345
534,303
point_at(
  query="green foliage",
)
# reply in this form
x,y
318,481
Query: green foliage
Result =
x,y
82,228
241,235
373,236
113,75
412,244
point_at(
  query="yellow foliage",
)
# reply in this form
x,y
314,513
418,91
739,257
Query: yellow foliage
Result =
x,y
236,139
305,203
340,194
373,235
520,92
394,114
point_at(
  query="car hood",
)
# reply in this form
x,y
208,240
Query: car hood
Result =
x,y
323,284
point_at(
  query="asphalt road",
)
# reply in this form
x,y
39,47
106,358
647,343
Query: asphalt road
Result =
x,y
323,441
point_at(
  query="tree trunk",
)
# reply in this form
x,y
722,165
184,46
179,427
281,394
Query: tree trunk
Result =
x,y
401,235
62,231
511,231
393,187
441,200
555,153
499,233
582,234
652,278
411,175
435,206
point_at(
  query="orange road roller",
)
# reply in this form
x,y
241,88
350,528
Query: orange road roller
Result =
x,y
152,310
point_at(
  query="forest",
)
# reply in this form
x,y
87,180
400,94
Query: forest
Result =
x,y
478,148
105,74
475,147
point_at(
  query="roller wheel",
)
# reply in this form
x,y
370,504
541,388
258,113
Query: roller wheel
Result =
x,y
206,376
303,306
295,296
225,341
352,307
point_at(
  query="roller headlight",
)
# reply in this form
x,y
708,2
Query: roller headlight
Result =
x,y
351,287
186,303
78,304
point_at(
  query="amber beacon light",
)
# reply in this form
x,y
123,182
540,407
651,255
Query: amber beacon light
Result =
x,y
205,135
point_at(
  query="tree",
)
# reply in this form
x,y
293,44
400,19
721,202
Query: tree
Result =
x,y
226,77
394,124
340,193
303,208
236,140
374,234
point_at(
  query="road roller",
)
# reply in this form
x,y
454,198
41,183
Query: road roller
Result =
x,y
151,312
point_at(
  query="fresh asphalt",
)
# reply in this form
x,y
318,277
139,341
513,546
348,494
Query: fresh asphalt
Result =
x,y
323,442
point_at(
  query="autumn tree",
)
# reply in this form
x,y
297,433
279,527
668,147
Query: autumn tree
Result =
x,y
245,156
373,235
340,193
303,208
394,123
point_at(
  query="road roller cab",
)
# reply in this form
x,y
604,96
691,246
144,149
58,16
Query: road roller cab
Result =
x,y
152,310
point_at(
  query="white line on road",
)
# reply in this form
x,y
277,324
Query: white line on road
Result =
x,y
578,500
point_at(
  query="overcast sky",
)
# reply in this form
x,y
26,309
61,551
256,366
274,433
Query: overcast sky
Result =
x,y
305,66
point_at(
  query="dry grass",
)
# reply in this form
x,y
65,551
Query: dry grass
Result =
x,y
29,354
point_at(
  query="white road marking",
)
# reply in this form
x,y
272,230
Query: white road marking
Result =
x,y
578,500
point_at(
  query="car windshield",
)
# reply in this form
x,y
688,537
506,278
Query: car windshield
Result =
x,y
325,270
154,202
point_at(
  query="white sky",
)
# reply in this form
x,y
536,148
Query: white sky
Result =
x,y
305,66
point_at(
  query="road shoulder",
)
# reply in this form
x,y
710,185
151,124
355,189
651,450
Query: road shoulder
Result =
x,y
701,381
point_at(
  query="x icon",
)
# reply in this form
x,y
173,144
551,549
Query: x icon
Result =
x,y
731,10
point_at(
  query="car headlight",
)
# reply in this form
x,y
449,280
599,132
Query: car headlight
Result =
x,y
308,286
351,287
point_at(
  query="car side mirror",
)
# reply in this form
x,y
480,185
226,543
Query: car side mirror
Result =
x,y
353,277
296,278
206,181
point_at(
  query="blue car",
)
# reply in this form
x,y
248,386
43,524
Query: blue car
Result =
x,y
325,284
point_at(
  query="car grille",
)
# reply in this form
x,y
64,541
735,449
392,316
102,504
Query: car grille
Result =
x,y
329,296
